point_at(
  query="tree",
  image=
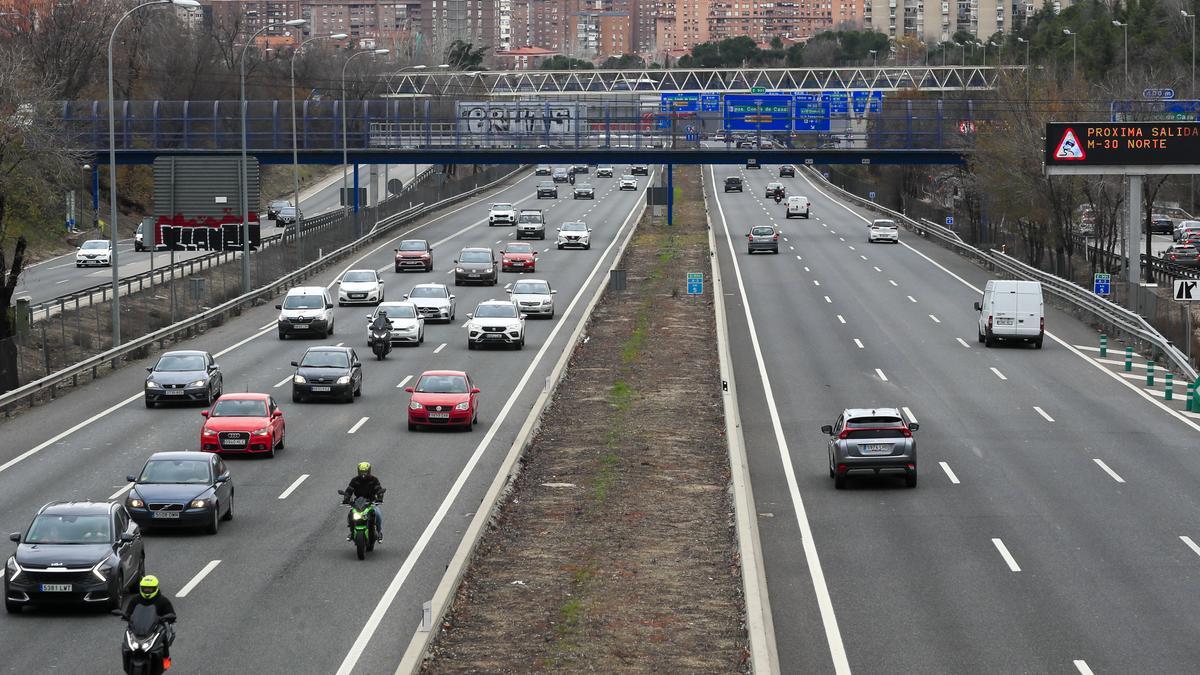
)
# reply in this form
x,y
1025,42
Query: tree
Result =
x,y
8,345
464,56
624,62
560,62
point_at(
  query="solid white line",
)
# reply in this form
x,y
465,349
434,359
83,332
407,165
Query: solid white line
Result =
x,y
339,344
859,343
61,435
911,416
191,585
1086,348
1082,667
1012,564
935,319
881,375
833,636
358,425
292,488
841,318
1043,414
120,492
828,300
239,343
854,249
963,342
998,373
912,299
283,382
949,472
404,381
440,348
61,282
1100,463
1190,544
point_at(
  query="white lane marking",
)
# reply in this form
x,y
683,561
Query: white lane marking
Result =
x,y
464,324
283,381
841,318
862,256
816,283
1082,667
499,241
854,249
963,342
440,348
912,299
61,282
949,472
911,416
799,258
859,343
935,319
266,326
241,342
833,635
893,282
418,547
877,269
828,300
1008,559
118,493
339,344
61,435
842,238
404,381
358,425
1087,348
1100,463
1043,413
998,373
1190,544
191,585
807,270
879,372
450,271
793,248
292,488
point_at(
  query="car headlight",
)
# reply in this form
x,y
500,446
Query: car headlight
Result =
x,y
14,568
261,432
545,302
345,379
415,405
463,406
459,269
102,569
298,379
151,384
134,502
197,383
209,432
198,504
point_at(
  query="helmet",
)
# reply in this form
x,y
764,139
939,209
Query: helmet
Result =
x,y
149,586
364,467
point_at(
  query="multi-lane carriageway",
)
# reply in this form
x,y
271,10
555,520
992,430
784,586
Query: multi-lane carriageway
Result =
x,y
1054,528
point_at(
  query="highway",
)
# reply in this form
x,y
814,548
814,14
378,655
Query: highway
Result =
x,y
1047,531
279,588
59,276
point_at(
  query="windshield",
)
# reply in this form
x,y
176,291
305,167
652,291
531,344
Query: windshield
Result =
x,y
239,408
279,202
531,218
304,302
733,180
497,310
627,177
762,231
399,312
66,529
412,245
574,227
475,256
143,619
360,276
92,245
175,364
428,292
189,471
546,184
502,207
531,288
560,171
519,248
442,384
583,186
324,359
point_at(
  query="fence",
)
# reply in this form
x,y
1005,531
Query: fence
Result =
x,y
77,332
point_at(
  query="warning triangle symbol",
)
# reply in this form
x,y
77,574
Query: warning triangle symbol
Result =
x,y
1069,147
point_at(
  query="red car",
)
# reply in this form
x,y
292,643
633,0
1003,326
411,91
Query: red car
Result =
x,y
414,254
443,398
247,423
518,257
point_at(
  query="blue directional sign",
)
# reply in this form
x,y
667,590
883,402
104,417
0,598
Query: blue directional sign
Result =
x,y
1102,284
811,113
679,102
866,101
1158,93
748,112
695,283
949,221
710,103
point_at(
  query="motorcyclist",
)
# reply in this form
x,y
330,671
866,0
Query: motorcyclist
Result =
x,y
149,594
381,323
365,485
778,196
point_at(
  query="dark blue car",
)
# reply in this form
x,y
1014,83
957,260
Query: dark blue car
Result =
x,y
181,489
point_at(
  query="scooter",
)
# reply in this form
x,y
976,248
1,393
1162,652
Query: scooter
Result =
x,y
778,197
362,515
381,343
146,640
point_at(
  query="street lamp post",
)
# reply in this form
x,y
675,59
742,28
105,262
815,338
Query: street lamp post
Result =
x,y
999,52
874,57
1067,31
295,142
112,165
1125,27
1192,17
962,46
244,172
1027,66
345,150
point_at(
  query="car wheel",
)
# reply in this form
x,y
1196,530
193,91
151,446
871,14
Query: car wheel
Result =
x,y
470,425
117,598
521,343
12,607
420,338
1037,344
910,479
358,390
832,472
296,398
988,340
341,304
560,247
457,282
229,511
330,328
149,403
209,398
279,445
282,335
470,345
587,246
839,482
412,427
980,335
271,452
397,270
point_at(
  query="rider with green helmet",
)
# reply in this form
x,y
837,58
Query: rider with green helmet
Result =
x,y
149,594
367,486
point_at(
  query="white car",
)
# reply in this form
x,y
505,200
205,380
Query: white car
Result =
x,y
496,322
434,301
407,324
882,229
604,172
502,214
533,296
94,252
628,182
575,234
360,287
798,206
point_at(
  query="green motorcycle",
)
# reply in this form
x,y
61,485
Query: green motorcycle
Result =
x,y
362,519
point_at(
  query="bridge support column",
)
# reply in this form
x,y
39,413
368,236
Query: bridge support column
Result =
x,y
357,222
373,194
670,195
1133,235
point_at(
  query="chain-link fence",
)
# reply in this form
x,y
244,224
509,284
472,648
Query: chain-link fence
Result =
x,y
78,332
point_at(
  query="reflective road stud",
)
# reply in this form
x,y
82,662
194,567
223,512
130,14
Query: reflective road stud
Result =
x,y
1129,359
1170,386
1149,373
1103,346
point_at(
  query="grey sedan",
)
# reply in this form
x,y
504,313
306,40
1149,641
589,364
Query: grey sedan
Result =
x,y
871,439
185,375
762,238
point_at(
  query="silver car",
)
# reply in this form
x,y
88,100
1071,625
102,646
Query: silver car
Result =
x,y
434,302
408,327
533,297
762,238
871,439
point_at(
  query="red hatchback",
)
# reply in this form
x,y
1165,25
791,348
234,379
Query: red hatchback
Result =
x,y
443,398
414,254
246,423
518,257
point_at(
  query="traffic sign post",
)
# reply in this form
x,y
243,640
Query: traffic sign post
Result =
x,y
695,283
949,221
1186,291
1102,284
871,195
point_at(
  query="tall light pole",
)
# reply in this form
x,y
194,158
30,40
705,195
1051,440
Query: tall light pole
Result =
x,y
1027,66
112,166
1067,31
999,52
984,52
1125,27
345,150
874,57
1192,17
244,172
962,46
295,143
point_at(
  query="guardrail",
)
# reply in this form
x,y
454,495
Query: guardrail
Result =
x,y
1107,313
135,347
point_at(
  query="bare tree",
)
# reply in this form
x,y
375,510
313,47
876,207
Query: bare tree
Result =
x,y
65,47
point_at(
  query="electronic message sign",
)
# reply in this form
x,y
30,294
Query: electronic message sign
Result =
x,y
1122,144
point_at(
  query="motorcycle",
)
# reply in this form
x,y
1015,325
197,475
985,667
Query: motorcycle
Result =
x,y
362,516
778,197
146,639
381,342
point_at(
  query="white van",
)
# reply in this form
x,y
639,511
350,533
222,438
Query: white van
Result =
x,y
798,206
306,309
1011,310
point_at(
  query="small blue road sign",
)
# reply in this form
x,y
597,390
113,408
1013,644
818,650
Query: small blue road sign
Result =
x,y
695,283
871,195
1102,284
949,221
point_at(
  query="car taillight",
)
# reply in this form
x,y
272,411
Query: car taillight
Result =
x,y
989,321
905,432
1042,324
844,435
1172,256
775,237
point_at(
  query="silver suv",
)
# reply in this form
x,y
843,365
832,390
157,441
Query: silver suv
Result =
x,y
762,238
871,439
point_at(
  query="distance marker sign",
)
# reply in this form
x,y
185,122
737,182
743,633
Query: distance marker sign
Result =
x,y
1116,144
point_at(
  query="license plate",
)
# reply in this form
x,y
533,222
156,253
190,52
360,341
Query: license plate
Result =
x,y
474,276
875,449
166,515
320,388
56,588
299,325
439,415
174,392
233,441
1004,322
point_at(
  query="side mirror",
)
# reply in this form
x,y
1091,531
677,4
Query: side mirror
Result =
x,y
15,536
452,297
131,478
913,426
277,413
470,316
827,429
408,389
747,235
342,492
149,369
212,367
278,306
127,537
329,305
553,292
978,307
474,390
223,478
204,413
456,260
508,290
296,364
406,296
370,317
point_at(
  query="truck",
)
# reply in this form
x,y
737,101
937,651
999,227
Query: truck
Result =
x,y
531,223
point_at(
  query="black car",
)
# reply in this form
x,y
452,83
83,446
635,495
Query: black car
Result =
x,y
327,372
274,207
787,170
639,170
185,375
733,183
81,553
560,175
580,168
583,191
181,489
547,189
1161,225
775,190
476,265
753,164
